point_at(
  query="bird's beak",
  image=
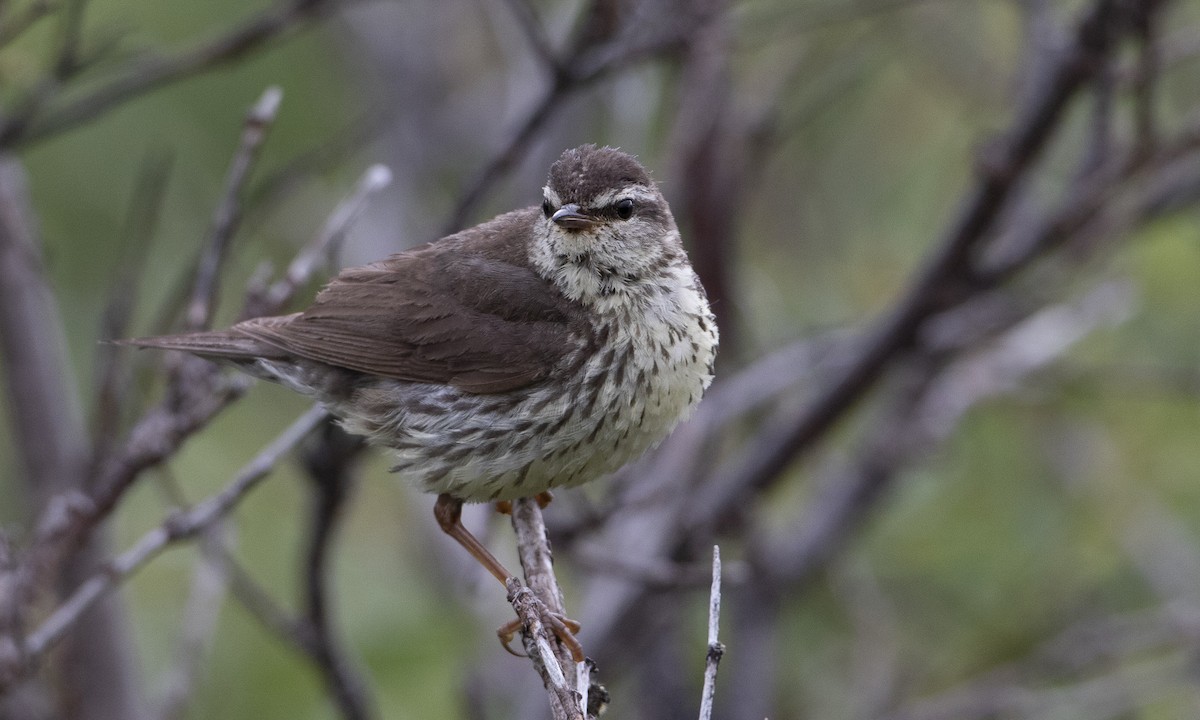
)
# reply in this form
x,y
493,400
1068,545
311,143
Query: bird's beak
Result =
x,y
569,217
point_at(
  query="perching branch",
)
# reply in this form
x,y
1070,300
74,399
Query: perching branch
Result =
x,y
565,680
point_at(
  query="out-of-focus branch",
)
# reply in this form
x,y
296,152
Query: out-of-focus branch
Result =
x,y
581,66
945,279
710,153
112,374
527,19
176,528
45,412
925,413
329,460
228,212
66,59
42,115
160,431
13,26
200,615
52,440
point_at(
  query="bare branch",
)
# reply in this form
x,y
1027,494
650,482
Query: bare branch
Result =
x,y
228,212
944,278
564,702
532,603
175,529
323,246
38,118
583,65
12,28
715,649
52,440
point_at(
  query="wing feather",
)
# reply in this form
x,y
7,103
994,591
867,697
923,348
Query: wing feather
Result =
x,y
466,311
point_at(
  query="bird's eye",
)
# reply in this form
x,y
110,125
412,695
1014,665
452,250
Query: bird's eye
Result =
x,y
547,208
624,208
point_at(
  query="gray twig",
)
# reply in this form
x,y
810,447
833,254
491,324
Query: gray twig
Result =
x,y
582,66
174,529
715,649
39,118
228,212
323,245
543,597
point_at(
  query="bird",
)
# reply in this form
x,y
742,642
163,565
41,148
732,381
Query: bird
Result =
x,y
542,349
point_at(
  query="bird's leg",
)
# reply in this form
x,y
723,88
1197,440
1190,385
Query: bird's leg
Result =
x,y
448,511
564,628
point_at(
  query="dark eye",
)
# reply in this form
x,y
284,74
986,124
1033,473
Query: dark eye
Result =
x,y
624,208
547,208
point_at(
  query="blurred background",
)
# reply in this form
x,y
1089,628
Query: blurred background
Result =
x,y
951,454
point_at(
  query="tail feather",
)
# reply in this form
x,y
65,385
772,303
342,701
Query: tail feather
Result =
x,y
225,344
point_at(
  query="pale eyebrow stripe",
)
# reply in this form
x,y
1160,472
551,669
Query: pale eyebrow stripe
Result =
x,y
633,192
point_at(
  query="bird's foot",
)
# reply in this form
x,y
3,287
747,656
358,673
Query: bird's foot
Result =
x,y
563,627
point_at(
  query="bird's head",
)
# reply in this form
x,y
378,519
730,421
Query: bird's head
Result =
x,y
605,229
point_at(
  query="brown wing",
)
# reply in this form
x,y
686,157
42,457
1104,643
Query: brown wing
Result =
x,y
466,311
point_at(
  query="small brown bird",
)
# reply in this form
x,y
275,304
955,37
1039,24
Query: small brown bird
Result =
x,y
544,348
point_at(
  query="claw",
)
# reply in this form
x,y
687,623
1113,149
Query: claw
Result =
x,y
506,633
563,627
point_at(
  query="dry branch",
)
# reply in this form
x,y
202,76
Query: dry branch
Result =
x,y
228,213
946,277
715,649
40,117
566,684
176,528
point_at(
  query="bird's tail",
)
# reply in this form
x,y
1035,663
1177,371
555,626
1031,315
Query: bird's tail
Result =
x,y
219,344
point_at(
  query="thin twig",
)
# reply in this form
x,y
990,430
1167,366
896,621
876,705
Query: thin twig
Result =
x,y
228,213
941,280
581,69
535,32
715,649
542,596
174,529
319,251
33,121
